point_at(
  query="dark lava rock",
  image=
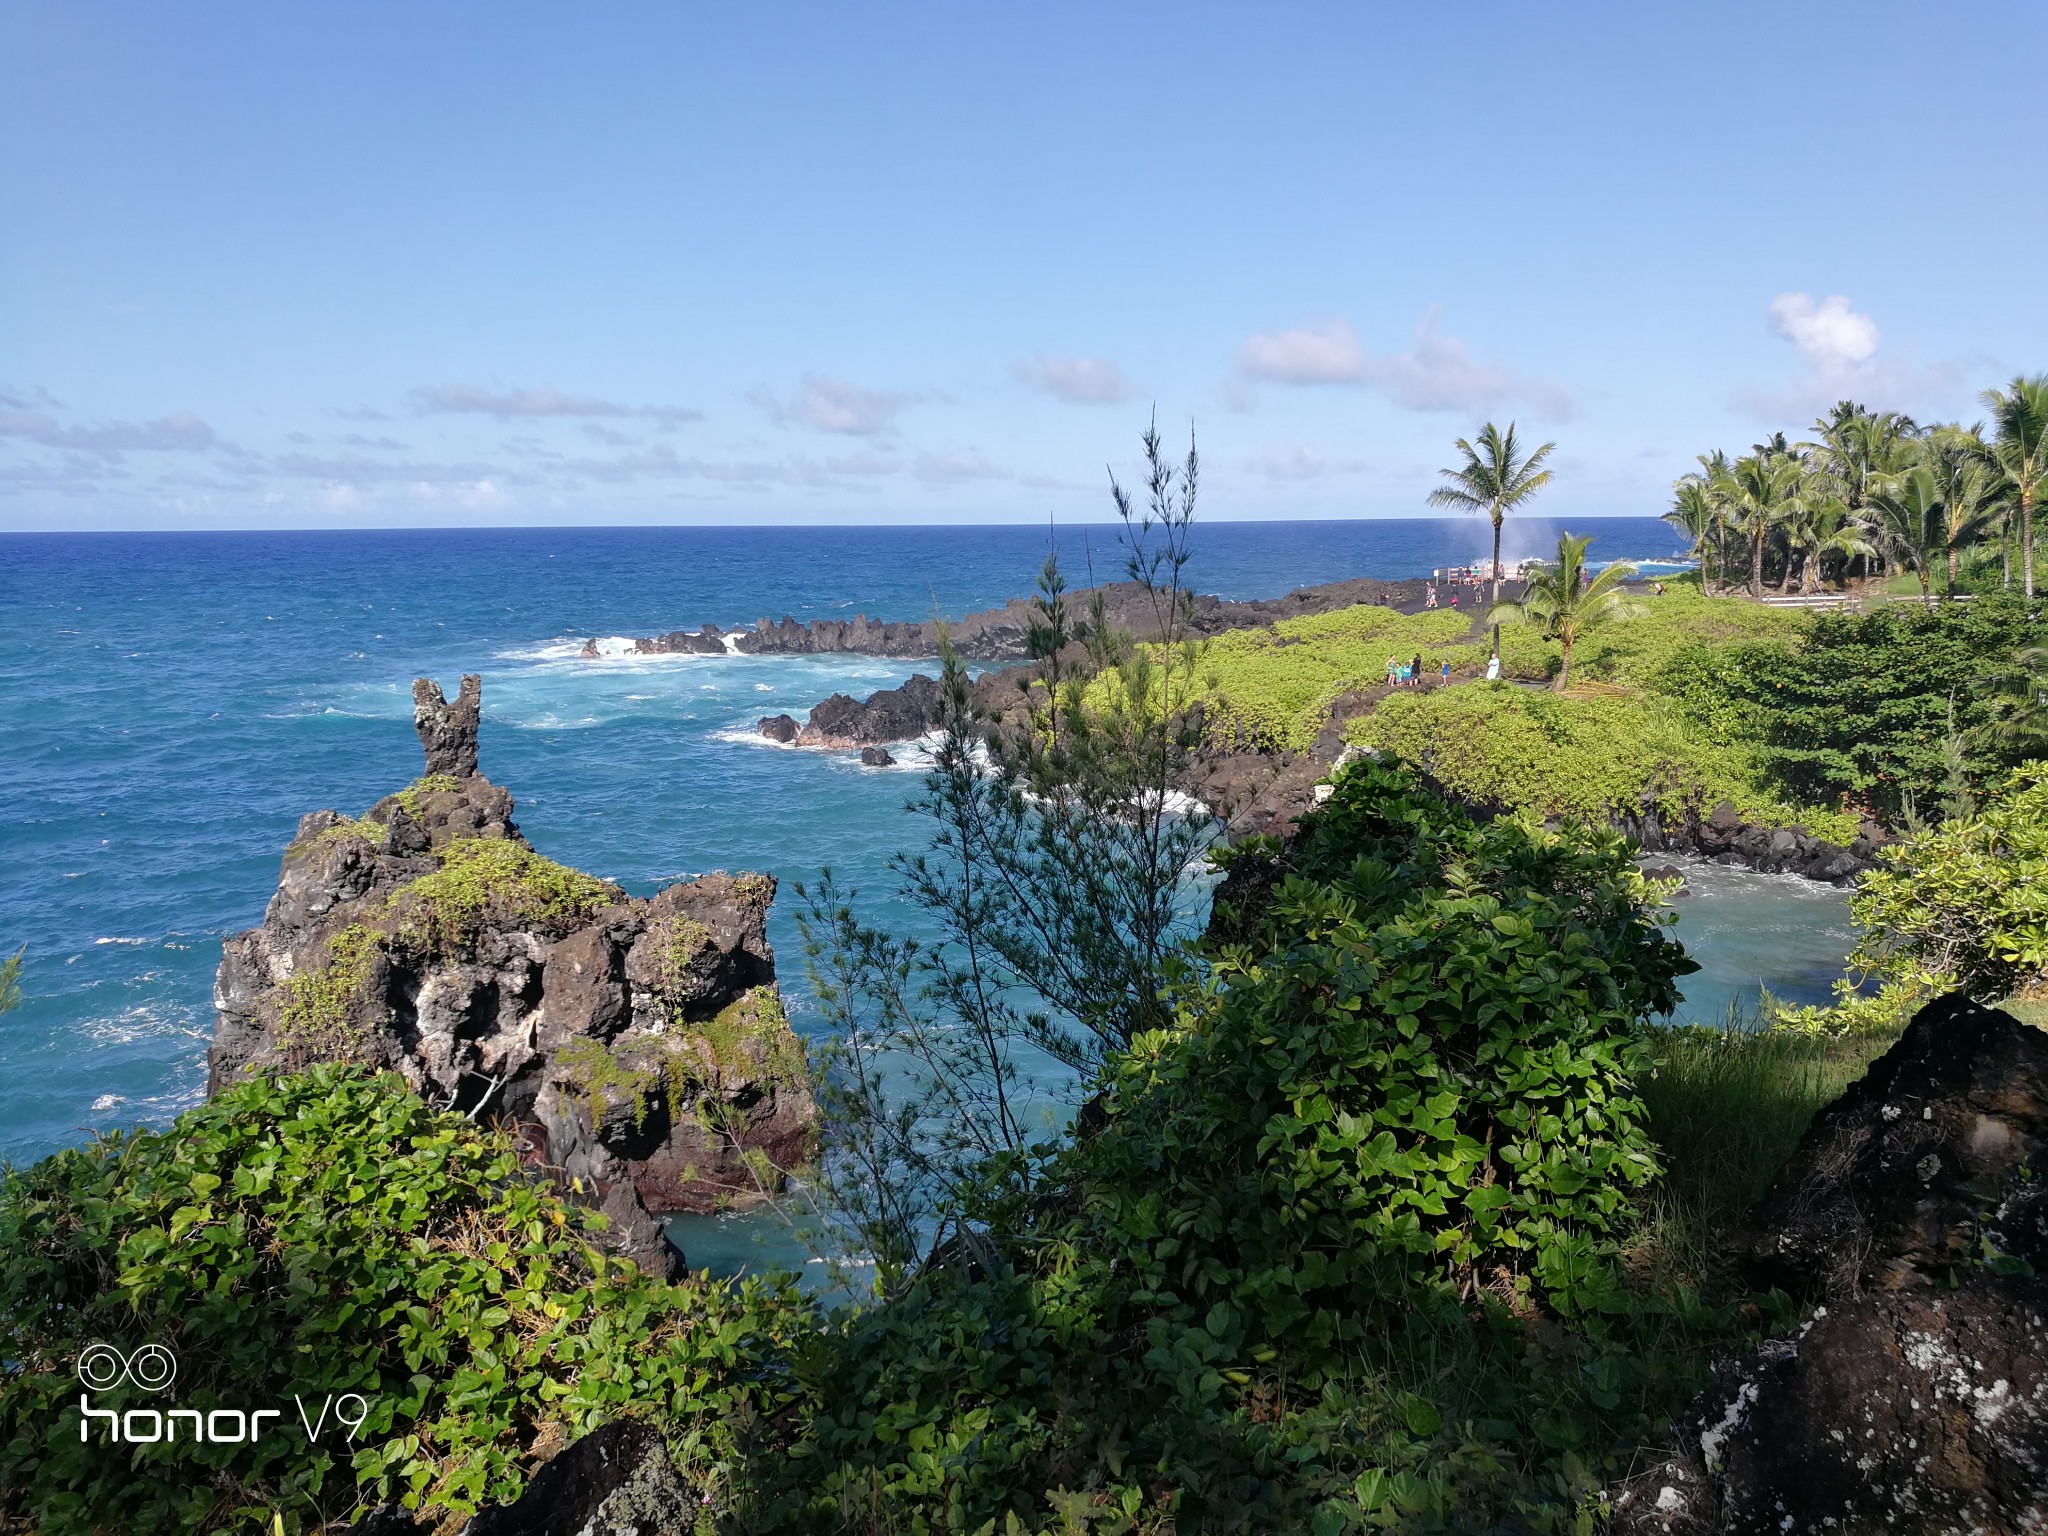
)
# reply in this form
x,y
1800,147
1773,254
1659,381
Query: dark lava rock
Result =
x,y
892,714
617,1480
1003,634
875,757
782,728
1941,1147
1902,1411
448,731
636,1046
1916,1398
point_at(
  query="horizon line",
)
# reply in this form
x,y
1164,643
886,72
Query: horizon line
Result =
x,y
1235,522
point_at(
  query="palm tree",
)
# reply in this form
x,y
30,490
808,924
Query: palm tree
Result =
x,y
1818,525
1696,514
1564,604
1964,476
1857,448
1910,522
1495,478
1757,493
2019,447
2021,696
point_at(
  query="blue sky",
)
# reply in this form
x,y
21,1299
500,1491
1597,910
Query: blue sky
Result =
x,y
320,264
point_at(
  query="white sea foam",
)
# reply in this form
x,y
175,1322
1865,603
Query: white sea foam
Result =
x,y
120,941
106,1101
749,736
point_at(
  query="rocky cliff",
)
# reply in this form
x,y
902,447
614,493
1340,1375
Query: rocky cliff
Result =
x,y
637,1047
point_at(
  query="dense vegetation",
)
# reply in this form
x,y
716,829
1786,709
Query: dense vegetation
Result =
x,y
1875,490
1376,1233
309,1236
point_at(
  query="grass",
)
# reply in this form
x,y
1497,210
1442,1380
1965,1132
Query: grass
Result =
x,y
1727,1107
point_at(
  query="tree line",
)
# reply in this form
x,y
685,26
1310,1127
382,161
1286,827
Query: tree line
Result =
x,y
1872,492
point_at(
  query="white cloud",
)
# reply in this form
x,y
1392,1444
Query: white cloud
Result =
x,y
182,433
1327,352
1438,373
468,399
1828,334
953,468
1838,348
1077,380
1299,461
834,405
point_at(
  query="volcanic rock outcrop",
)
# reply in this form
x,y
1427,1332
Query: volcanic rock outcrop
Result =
x,y
890,714
636,1046
1002,634
1916,1398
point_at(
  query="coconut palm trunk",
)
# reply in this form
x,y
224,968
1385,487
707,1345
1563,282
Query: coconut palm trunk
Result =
x,y
1495,478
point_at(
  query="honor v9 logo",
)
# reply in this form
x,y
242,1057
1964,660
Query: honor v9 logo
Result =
x,y
152,1368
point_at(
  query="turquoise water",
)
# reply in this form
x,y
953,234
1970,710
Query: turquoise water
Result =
x,y
172,705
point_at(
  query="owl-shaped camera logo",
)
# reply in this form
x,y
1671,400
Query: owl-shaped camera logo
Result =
x,y
102,1367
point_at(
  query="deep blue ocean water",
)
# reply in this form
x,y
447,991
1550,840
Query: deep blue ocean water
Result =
x,y
172,704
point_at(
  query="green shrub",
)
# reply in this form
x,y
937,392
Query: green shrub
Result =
x,y
1637,653
1271,689
1964,904
482,881
1866,706
1595,756
1416,1072
329,1233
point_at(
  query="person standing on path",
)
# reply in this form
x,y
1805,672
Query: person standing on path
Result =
x,y
1493,667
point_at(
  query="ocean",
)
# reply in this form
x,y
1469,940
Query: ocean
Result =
x,y
174,703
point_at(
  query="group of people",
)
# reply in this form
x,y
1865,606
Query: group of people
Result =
x,y
1409,674
1429,595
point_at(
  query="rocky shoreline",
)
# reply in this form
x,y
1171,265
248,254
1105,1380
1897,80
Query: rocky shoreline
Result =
x,y
635,1049
1001,634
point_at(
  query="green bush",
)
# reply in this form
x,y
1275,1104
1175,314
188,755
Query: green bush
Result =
x,y
1271,689
1964,904
1270,1287
1637,652
1595,756
1866,707
329,1233
1416,1071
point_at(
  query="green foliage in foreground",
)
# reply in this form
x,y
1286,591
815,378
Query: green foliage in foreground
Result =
x,y
1727,1107
330,1233
1350,1247
1594,756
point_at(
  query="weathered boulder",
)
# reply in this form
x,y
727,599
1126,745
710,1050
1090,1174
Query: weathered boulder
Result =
x,y
1938,1150
617,1480
1916,1397
638,1046
876,757
891,714
782,728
